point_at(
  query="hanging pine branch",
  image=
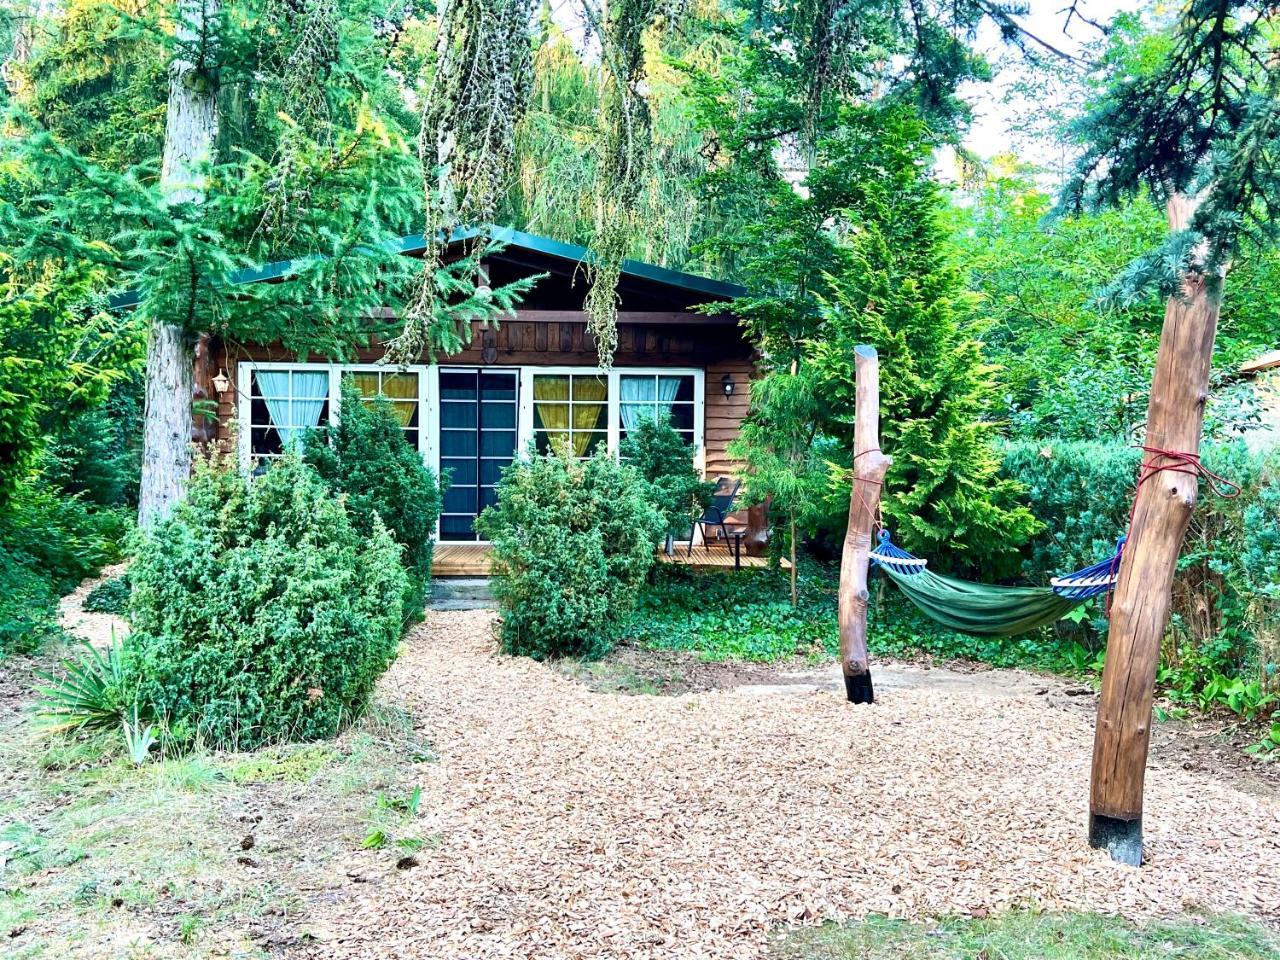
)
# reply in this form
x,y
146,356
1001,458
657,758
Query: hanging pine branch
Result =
x,y
626,154
479,88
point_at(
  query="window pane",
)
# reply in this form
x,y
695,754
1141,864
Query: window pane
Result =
x,y
456,414
553,416
684,390
366,383
406,412
590,388
497,443
590,416
457,386
585,444
456,528
491,471
454,443
544,441
488,497
637,387
264,441
460,471
498,386
400,385
550,387
458,499
501,415
682,416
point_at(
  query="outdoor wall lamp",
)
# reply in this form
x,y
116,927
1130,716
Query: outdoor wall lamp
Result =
x,y
221,383
727,384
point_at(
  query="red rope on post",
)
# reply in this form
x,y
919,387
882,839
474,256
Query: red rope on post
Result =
x,y
1179,461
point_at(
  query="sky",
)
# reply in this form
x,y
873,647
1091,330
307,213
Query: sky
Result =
x,y
994,117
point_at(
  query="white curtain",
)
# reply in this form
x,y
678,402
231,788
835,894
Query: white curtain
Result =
x,y
294,410
668,388
635,397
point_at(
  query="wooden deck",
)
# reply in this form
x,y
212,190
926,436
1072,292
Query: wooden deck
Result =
x,y
472,560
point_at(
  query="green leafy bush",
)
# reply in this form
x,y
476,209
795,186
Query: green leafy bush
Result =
x,y
260,613
747,615
665,460
110,596
49,542
1223,646
28,606
367,459
572,543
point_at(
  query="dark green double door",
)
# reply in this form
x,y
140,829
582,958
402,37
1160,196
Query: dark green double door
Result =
x,y
478,431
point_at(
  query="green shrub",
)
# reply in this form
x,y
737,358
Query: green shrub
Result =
x,y
1226,595
49,542
665,460
746,615
260,614
572,543
28,606
110,596
367,459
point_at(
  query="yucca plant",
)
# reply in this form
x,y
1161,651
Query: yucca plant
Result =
x,y
139,738
89,696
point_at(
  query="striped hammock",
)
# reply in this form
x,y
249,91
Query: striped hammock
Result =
x,y
985,609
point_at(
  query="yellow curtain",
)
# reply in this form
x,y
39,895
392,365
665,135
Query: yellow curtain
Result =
x,y
551,402
400,388
587,417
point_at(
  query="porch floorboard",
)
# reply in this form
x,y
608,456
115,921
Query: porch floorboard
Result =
x,y
472,559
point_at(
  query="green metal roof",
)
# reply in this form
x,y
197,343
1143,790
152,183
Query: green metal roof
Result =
x,y
569,252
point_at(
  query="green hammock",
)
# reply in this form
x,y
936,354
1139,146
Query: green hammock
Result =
x,y
983,609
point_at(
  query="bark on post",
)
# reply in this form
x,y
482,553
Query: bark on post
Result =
x,y
870,466
1140,605
191,126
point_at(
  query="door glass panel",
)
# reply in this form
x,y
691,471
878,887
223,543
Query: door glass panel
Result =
x,y
477,439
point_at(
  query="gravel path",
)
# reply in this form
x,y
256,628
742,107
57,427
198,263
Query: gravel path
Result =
x,y
577,824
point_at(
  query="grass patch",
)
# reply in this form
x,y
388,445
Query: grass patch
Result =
x,y
288,763
747,615
604,675
743,615
1023,935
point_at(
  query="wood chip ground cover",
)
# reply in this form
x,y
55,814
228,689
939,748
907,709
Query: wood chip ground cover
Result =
x,y
576,823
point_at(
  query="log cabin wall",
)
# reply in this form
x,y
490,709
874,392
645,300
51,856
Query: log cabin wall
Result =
x,y
559,338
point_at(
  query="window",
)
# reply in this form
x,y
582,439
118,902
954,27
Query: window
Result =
x,y
400,387
654,396
283,405
572,409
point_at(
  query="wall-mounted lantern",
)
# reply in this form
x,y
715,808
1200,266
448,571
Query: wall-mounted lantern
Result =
x,y
221,383
727,384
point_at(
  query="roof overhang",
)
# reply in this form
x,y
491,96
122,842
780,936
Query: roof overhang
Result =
x,y
569,253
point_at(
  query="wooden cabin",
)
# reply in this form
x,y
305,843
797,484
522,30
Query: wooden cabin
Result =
x,y
532,378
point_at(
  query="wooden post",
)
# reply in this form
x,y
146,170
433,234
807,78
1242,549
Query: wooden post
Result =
x,y
1140,606
870,466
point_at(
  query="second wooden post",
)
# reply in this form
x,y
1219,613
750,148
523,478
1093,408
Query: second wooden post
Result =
x,y
870,466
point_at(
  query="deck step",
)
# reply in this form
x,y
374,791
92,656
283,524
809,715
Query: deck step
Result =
x,y
462,593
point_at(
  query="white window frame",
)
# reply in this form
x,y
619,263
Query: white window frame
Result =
x,y
614,375
244,396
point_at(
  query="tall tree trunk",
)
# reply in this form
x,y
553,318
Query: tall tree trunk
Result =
x,y
870,466
1161,514
795,598
191,129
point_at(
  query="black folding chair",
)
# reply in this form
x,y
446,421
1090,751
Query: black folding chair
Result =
x,y
721,506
